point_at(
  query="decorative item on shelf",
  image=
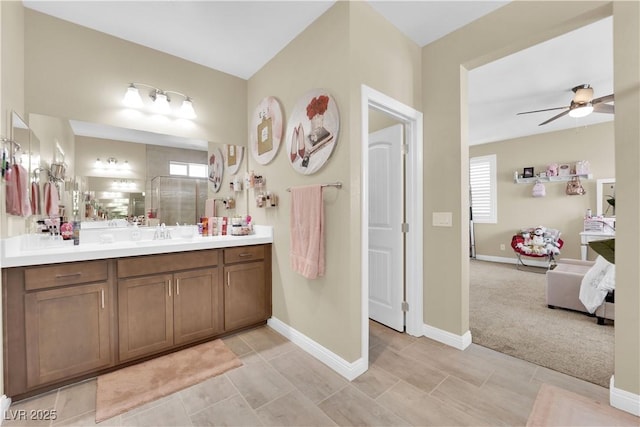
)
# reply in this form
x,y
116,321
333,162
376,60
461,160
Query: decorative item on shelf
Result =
x,y
583,167
265,130
527,172
216,169
160,99
552,169
312,131
574,187
538,190
266,200
236,184
564,169
229,203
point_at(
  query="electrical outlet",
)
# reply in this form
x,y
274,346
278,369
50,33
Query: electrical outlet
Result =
x,y
502,247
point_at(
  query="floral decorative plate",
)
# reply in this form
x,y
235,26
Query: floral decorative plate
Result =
x,y
312,131
233,157
216,169
265,130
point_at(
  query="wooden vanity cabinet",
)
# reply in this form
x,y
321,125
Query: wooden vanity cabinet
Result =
x,y
159,311
69,321
58,323
247,290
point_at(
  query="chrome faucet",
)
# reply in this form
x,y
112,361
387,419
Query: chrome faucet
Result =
x,y
162,232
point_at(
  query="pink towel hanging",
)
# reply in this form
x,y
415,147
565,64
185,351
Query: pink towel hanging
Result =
x,y
307,231
11,197
23,190
51,199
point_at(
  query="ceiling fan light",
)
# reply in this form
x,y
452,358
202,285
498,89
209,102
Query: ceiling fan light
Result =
x,y
581,111
132,97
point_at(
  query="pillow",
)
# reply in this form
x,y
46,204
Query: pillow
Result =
x,y
596,283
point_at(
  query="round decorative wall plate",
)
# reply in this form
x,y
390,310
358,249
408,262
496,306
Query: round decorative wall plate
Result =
x,y
265,130
216,169
312,131
233,157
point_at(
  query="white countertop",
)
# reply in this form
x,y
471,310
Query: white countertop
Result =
x,y
14,253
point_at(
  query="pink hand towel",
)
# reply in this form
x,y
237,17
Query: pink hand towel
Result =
x,y
307,231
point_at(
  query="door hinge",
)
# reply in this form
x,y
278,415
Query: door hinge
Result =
x,y
405,306
405,149
405,227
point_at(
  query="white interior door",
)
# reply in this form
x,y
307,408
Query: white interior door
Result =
x,y
386,240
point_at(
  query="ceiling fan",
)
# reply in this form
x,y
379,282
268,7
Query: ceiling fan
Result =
x,y
581,105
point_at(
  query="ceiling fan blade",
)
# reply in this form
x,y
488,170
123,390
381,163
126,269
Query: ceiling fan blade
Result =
x,y
557,116
603,99
604,108
540,111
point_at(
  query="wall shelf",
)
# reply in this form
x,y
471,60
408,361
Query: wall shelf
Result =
x,y
565,178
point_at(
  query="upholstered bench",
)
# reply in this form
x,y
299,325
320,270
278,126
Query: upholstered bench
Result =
x,y
563,288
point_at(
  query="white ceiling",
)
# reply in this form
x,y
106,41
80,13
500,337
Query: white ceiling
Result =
x,y
238,37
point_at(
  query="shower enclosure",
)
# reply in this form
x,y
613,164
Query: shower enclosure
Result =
x,y
178,199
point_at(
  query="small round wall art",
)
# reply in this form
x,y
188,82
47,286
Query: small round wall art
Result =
x,y
216,169
233,158
312,131
265,130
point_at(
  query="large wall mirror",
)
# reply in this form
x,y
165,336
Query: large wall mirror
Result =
x,y
127,174
606,197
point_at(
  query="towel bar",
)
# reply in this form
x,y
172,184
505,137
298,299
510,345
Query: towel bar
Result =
x,y
332,184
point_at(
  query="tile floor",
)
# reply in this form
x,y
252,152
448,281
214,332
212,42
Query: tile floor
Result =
x,y
411,381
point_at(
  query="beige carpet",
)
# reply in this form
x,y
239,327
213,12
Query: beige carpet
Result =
x,y
508,313
557,407
130,387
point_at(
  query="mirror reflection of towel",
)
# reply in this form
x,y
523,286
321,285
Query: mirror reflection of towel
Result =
x,y
307,231
51,200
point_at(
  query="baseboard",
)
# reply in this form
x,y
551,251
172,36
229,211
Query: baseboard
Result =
x,y
456,341
504,260
349,370
624,400
5,403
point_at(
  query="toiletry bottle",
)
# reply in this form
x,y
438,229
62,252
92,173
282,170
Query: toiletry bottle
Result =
x,y
76,232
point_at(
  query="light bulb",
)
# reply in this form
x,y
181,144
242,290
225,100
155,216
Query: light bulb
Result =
x,y
132,97
161,103
187,110
581,111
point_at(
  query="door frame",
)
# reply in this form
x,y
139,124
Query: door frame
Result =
x,y
412,121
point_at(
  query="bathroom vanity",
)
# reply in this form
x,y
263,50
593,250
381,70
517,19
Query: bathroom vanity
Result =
x,y
86,311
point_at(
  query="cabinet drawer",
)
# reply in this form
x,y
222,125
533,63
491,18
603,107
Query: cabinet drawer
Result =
x,y
164,263
243,253
65,274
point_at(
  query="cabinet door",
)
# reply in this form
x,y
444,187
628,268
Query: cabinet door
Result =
x,y
197,305
145,315
67,332
245,299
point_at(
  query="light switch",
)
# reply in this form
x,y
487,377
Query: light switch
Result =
x,y
442,219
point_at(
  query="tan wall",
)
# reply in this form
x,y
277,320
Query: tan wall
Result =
x,y
328,310
77,73
11,86
517,208
626,38
510,28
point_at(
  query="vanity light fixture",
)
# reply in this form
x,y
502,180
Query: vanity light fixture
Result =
x,y
161,100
